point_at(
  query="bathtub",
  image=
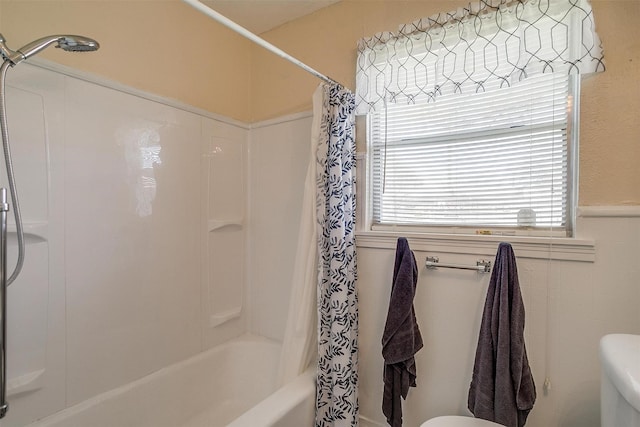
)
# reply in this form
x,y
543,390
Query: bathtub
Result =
x,y
232,384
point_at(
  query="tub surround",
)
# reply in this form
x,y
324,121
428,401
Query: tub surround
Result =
x,y
123,275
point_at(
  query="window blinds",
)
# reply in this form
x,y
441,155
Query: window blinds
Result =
x,y
495,159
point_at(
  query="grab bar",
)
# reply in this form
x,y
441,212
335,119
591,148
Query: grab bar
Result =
x,y
482,266
4,208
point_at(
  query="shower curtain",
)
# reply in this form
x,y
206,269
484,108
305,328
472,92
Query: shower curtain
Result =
x,y
299,343
337,301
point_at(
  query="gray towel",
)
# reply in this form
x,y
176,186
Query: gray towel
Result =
x,y
502,388
401,339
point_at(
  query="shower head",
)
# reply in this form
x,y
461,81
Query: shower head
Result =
x,y
77,44
65,42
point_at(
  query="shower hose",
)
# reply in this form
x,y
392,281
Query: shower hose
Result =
x,y
10,176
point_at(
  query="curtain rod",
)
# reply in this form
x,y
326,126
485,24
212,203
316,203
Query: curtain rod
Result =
x,y
254,38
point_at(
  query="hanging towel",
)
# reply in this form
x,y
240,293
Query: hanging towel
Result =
x,y
502,388
401,339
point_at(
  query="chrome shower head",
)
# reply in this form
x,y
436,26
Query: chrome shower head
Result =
x,y
77,44
65,42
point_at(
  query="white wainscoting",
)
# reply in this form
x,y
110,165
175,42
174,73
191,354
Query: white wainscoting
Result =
x,y
570,305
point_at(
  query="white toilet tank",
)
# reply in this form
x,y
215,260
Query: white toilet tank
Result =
x,y
620,389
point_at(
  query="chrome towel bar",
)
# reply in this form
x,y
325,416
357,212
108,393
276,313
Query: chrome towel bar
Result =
x,y
482,266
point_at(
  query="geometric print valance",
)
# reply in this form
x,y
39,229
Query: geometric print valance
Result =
x,y
489,44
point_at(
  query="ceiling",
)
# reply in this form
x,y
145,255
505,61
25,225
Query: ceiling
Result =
x,y
259,16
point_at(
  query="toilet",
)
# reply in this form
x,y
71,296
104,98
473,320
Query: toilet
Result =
x,y
457,421
620,386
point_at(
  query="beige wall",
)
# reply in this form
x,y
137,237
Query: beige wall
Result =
x,y
610,107
610,119
161,46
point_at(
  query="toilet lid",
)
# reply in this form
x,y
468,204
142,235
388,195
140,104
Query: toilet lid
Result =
x,y
455,421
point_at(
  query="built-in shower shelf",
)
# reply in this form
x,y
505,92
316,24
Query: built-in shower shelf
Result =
x,y
34,232
25,383
216,224
225,316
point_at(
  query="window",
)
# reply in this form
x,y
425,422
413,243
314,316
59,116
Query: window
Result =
x,y
472,116
489,160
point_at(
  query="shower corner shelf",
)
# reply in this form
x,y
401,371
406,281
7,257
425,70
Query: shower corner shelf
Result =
x,y
216,224
34,231
25,383
219,319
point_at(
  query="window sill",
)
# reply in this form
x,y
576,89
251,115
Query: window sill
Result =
x,y
563,249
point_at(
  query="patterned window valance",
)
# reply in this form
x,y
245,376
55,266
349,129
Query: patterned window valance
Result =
x,y
489,44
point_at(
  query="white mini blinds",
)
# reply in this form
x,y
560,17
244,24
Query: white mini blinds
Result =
x,y
497,159
470,114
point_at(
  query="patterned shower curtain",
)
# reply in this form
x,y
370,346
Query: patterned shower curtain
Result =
x,y
337,383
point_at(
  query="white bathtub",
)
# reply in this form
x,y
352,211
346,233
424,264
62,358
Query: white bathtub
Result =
x,y
232,384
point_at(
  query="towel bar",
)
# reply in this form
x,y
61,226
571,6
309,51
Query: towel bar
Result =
x,y
482,266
